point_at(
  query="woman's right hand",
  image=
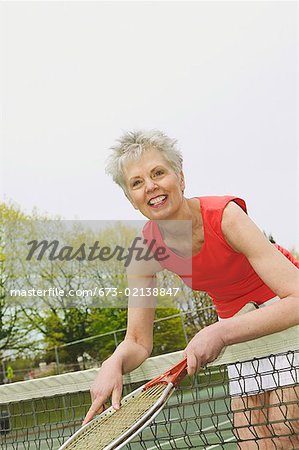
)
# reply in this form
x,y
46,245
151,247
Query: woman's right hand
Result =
x,y
108,383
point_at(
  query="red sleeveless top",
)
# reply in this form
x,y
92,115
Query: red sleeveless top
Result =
x,y
217,269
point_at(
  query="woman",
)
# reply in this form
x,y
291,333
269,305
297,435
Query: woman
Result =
x,y
231,259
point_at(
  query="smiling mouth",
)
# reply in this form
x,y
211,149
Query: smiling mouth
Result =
x,y
157,201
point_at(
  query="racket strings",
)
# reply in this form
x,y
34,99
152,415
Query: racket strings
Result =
x,y
107,428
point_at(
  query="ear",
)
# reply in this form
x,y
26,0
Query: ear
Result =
x,y
182,180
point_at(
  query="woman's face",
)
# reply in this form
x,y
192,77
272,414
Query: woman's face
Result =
x,y
153,187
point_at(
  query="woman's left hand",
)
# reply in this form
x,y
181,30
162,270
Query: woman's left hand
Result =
x,y
204,347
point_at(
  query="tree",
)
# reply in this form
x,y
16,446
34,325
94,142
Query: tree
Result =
x,y
11,333
65,319
169,334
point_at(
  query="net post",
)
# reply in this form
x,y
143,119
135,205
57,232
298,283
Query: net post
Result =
x,y
57,359
115,339
3,370
184,328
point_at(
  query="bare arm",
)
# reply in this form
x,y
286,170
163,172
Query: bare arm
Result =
x,y
132,352
137,345
135,348
272,267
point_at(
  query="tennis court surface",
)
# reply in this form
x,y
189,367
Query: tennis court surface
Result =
x,y
43,413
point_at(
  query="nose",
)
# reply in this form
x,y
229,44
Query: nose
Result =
x,y
150,185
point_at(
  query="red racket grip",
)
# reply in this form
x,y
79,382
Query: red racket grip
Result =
x,y
174,375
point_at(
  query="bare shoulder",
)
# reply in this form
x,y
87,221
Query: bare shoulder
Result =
x,y
236,225
241,233
231,213
244,236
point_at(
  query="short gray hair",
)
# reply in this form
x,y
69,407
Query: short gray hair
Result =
x,y
133,144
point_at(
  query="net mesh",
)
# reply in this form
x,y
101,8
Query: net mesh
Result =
x,y
242,400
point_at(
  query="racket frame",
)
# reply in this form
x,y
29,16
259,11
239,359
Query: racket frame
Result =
x,y
147,417
145,420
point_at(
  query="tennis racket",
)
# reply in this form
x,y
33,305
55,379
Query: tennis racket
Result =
x,y
113,429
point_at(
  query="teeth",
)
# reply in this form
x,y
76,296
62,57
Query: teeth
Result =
x,y
156,200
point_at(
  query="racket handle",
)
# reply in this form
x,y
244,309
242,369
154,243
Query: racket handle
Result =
x,y
174,375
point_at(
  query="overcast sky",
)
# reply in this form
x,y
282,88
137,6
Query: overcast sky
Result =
x,y
218,76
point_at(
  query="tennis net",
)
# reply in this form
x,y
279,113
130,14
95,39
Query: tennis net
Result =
x,y
206,412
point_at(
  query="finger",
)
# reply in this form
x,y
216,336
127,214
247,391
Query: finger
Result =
x,y
94,393
97,406
116,396
191,364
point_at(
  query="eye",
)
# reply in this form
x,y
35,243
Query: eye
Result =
x,y
159,172
136,183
